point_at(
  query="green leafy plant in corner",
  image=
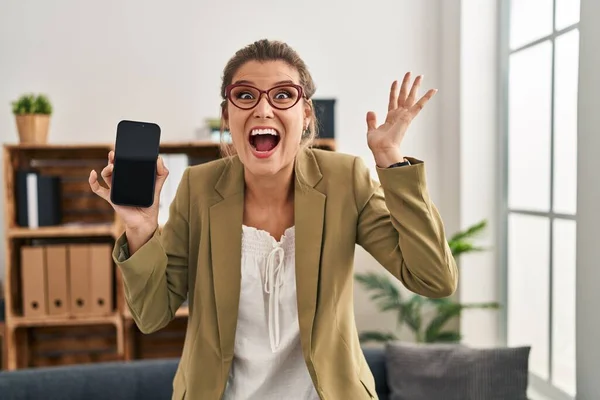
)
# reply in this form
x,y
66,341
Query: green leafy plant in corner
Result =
x,y
32,104
426,318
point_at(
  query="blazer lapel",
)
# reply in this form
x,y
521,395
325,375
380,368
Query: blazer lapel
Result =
x,y
226,219
309,222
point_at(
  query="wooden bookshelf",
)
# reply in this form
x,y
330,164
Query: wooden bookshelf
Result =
x,y
112,319
66,339
63,231
183,312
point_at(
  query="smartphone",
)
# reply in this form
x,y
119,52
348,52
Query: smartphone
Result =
x,y
137,147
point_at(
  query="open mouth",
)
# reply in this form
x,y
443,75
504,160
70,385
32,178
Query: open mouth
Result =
x,y
264,139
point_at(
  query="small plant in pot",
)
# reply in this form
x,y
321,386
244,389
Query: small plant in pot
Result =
x,y
32,115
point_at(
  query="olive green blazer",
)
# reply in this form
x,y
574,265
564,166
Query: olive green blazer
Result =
x,y
197,256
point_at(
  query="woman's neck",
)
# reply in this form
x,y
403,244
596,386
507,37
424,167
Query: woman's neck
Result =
x,y
271,192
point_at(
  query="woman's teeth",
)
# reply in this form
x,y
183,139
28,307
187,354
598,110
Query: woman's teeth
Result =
x,y
264,140
264,132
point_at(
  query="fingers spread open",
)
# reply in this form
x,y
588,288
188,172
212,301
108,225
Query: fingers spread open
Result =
x,y
410,101
422,101
392,104
371,121
404,90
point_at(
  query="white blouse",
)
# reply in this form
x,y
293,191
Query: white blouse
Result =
x,y
268,362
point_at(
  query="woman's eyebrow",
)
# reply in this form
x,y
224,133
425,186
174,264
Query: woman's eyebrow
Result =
x,y
252,83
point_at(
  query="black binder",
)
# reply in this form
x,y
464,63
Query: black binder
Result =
x,y
38,199
325,113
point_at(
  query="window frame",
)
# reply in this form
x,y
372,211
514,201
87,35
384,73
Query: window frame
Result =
x,y
538,385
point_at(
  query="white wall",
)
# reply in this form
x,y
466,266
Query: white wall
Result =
x,y
469,152
479,178
104,61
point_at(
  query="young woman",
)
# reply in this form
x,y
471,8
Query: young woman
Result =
x,y
261,242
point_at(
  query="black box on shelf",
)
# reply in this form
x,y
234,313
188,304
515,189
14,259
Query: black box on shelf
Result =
x,y
325,112
38,199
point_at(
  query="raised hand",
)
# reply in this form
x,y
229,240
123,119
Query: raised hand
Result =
x,y
141,221
384,140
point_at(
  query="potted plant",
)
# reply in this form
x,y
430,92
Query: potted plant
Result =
x,y
32,114
426,318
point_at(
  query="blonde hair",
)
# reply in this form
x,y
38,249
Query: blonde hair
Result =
x,y
268,50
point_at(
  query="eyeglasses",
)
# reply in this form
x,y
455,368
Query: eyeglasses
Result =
x,y
280,97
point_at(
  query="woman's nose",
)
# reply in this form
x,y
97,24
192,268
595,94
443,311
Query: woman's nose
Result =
x,y
263,109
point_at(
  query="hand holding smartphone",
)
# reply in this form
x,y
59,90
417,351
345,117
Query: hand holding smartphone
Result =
x,y
134,175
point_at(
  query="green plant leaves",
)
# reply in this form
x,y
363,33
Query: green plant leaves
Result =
x,y
411,312
386,294
32,104
374,336
460,243
445,312
448,337
470,232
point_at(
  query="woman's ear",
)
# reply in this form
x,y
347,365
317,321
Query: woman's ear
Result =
x,y
224,118
308,113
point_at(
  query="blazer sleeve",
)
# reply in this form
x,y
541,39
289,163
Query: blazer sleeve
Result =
x,y
155,277
401,228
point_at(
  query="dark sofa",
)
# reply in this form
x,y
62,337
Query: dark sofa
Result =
x,y
147,380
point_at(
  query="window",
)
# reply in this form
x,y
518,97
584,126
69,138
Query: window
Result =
x,y
541,57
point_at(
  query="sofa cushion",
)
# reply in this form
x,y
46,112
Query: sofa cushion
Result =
x,y
148,379
456,372
375,357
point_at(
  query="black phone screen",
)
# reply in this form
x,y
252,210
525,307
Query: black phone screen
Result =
x,y
134,172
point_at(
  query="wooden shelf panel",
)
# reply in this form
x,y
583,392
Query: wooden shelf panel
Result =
x,y
74,230
52,147
172,146
57,146
64,321
165,343
70,345
183,312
